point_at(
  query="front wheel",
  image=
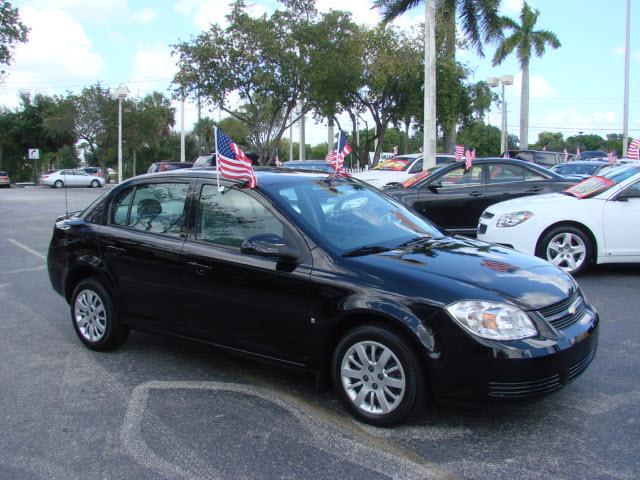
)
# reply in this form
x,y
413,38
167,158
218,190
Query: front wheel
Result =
x,y
377,375
58,184
95,183
567,247
94,317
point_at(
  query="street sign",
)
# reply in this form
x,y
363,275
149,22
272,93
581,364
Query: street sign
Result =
x,y
34,154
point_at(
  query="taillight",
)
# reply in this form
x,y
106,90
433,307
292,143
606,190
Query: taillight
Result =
x,y
45,176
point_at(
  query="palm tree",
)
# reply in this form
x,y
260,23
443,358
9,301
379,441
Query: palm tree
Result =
x,y
480,23
523,41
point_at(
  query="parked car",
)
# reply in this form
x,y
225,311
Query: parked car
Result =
x,y
596,221
580,169
205,161
318,165
539,157
593,155
4,179
324,274
396,170
454,198
166,166
71,178
97,172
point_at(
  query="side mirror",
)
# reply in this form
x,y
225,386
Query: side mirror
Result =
x,y
269,245
434,186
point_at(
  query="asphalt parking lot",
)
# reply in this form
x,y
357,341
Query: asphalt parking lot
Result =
x,y
164,408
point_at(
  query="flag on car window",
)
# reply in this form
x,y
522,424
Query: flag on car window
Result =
x,y
459,152
634,150
612,157
469,157
335,158
232,162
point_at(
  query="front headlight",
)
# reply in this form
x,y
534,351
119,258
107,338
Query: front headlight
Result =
x,y
513,219
497,321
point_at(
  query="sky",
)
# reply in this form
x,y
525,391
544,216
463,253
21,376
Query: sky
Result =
x,y
577,88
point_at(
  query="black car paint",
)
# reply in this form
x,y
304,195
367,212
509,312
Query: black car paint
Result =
x,y
294,314
458,209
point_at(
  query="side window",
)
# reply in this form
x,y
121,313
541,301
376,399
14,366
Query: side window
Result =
x,y
120,207
503,173
459,177
633,190
526,156
530,175
160,208
230,217
546,158
417,167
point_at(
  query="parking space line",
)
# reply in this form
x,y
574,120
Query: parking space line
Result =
x,y
26,248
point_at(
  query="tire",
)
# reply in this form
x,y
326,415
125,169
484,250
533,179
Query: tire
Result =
x,y
104,331
58,184
95,183
399,388
567,247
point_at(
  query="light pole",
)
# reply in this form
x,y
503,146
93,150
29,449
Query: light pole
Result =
x,y
121,93
625,119
494,82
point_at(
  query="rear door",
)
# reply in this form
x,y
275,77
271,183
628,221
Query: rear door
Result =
x,y
453,198
622,224
506,181
141,245
242,301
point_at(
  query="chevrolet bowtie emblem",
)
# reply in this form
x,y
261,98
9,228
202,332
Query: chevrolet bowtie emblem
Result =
x,y
572,310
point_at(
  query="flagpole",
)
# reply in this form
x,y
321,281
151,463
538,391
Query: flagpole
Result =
x,y
625,115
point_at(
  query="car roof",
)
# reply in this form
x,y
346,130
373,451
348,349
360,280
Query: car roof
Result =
x,y
304,162
585,162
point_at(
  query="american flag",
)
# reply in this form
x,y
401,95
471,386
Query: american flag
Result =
x,y
459,152
634,150
577,152
469,157
335,158
566,155
277,159
612,157
232,162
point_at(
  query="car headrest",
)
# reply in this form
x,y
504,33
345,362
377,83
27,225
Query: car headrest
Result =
x,y
148,207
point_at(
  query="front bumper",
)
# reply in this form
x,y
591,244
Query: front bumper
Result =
x,y
471,369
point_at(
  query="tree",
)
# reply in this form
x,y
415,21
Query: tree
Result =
x,y
553,141
485,139
12,32
524,41
480,23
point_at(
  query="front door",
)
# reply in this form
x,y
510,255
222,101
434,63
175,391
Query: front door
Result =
x,y
452,199
246,302
622,223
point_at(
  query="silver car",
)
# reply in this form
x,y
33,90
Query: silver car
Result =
x,y
71,178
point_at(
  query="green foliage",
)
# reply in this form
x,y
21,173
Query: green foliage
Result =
x,y
484,138
12,32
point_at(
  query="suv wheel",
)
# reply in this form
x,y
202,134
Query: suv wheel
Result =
x,y
377,375
94,316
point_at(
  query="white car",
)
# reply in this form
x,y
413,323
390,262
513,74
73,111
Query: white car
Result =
x,y
396,170
597,220
71,178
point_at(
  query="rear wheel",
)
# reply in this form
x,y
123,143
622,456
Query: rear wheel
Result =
x,y
58,184
95,183
567,247
377,375
94,316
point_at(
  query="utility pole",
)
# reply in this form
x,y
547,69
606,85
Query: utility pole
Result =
x,y
291,134
625,115
182,149
302,141
330,136
429,137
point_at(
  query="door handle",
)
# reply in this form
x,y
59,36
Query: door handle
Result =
x,y
198,268
476,193
116,250
535,189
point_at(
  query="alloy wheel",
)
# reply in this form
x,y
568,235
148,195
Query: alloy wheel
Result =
x,y
373,377
567,250
90,315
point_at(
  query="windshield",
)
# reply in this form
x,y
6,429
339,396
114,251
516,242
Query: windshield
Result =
x,y
348,215
595,185
411,181
576,169
396,164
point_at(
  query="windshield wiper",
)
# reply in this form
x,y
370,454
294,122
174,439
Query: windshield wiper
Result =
x,y
415,241
365,250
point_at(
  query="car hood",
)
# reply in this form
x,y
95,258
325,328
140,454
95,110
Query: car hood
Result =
x,y
532,203
457,268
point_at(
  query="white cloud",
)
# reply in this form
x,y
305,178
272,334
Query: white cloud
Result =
x,y
58,53
144,16
539,87
205,12
93,11
573,120
154,62
512,7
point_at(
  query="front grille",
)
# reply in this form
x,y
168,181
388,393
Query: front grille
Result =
x,y
487,215
525,389
482,228
579,367
565,313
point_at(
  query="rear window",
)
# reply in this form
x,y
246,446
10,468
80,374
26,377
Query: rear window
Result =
x,y
204,161
546,158
3,174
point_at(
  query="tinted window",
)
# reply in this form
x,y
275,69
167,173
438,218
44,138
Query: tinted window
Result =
x,y
503,173
546,158
160,208
633,189
231,217
526,156
461,177
120,207
417,167
94,213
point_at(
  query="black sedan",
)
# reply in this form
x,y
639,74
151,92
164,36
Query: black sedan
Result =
x,y
324,274
454,198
